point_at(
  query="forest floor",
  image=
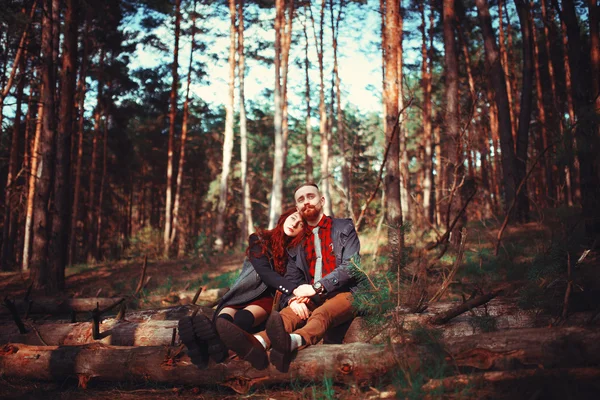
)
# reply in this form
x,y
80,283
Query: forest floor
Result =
x,y
530,253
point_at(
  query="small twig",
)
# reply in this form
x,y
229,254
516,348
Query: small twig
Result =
x,y
365,274
38,335
457,262
197,295
96,322
444,317
143,276
565,309
15,314
121,314
173,337
446,235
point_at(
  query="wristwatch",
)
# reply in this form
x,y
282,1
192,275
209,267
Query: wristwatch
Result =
x,y
319,288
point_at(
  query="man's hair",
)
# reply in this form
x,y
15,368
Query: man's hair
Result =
x,y
306,184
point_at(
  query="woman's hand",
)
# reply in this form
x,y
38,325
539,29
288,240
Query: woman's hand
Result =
x,y
299,309
304,290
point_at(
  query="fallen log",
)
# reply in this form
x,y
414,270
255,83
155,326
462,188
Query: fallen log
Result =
x,y
356,363
139,329
154,328
498,315
345,364
54,306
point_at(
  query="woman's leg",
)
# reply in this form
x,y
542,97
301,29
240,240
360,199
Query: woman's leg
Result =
x,y
250,317
228,313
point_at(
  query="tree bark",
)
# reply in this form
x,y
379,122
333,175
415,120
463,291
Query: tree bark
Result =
x,y
247,221
506,70
182,160
522,211
587,128
40,267
392,136
62,192
31,185
453,139
228,135
283,34
92,206
427,139
172,117
9,231
308,149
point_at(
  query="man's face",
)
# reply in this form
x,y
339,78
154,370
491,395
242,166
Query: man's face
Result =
x,y
309,202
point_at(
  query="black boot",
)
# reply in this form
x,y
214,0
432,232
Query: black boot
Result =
x,y
197,350
205,331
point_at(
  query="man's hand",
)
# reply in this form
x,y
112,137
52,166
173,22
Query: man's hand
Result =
x,y
299,309
304,290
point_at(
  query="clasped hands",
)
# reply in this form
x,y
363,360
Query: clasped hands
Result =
x,y
302,295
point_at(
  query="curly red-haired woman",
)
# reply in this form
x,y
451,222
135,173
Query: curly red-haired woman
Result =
x,y
250,300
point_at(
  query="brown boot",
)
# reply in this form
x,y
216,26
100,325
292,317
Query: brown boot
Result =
x,y
244,344
281,343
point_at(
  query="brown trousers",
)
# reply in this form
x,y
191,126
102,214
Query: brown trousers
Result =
x,y
333,312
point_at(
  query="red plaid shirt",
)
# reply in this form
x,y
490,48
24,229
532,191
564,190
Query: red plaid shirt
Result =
x,y
326,247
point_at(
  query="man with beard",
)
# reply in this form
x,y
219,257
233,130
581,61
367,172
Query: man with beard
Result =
x,y
323,260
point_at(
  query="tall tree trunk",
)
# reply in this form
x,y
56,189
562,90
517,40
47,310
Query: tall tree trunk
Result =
x,y
547,181
40,268
228,136
506,68
426,140
247,222
586,130
501,97
390,97
103,178
184,132
308,149
341,132
278,161
62,192
405,203
9,231
172,117
323,123
31,183
81,92
91,212
283,32
455,168
525,108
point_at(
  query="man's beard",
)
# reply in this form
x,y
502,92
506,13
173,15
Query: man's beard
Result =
x,y
310,212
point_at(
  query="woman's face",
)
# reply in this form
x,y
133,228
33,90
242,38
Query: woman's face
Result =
x,y
293,225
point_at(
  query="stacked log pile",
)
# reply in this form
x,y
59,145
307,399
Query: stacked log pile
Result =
x,y
144,346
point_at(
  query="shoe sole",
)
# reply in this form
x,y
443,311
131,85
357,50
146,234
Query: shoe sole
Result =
x,y
197,352
237,340
281,355
205,330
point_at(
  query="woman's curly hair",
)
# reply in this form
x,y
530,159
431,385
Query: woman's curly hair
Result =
x,y
274,243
